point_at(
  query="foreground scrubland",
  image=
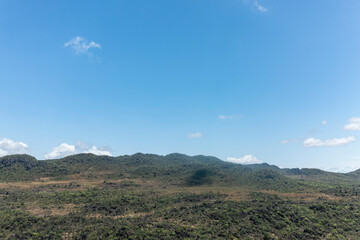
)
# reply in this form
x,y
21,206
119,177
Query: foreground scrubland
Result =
x,y
172,197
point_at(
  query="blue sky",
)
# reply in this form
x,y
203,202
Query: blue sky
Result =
x,y
245,81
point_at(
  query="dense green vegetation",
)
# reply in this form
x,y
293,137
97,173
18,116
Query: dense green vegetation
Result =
x,y
146,196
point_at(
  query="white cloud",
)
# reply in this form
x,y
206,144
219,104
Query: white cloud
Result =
x,y
354,124
286,141
61,151
195,135
3,153
81,146
335,142
247,159
344,166
230,117
65,149
348,164
8,147
81,45
260,7
342,169
96,151
324,122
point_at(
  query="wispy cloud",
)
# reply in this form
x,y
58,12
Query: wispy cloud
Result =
x,y
285,141
195,135
260,7
65,149
81,45
354,124
230,117
8,147
335,142
324,122
247,159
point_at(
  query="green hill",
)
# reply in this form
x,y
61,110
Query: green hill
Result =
x,y
174,169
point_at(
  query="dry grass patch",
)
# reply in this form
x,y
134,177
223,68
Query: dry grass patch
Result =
x,y
128,215
53,211
28,185
304,196
232,193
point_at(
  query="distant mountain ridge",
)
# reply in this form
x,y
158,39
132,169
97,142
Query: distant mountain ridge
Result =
x,y
175,168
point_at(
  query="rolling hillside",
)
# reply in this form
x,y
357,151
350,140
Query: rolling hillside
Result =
x,y
147,196
175,169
